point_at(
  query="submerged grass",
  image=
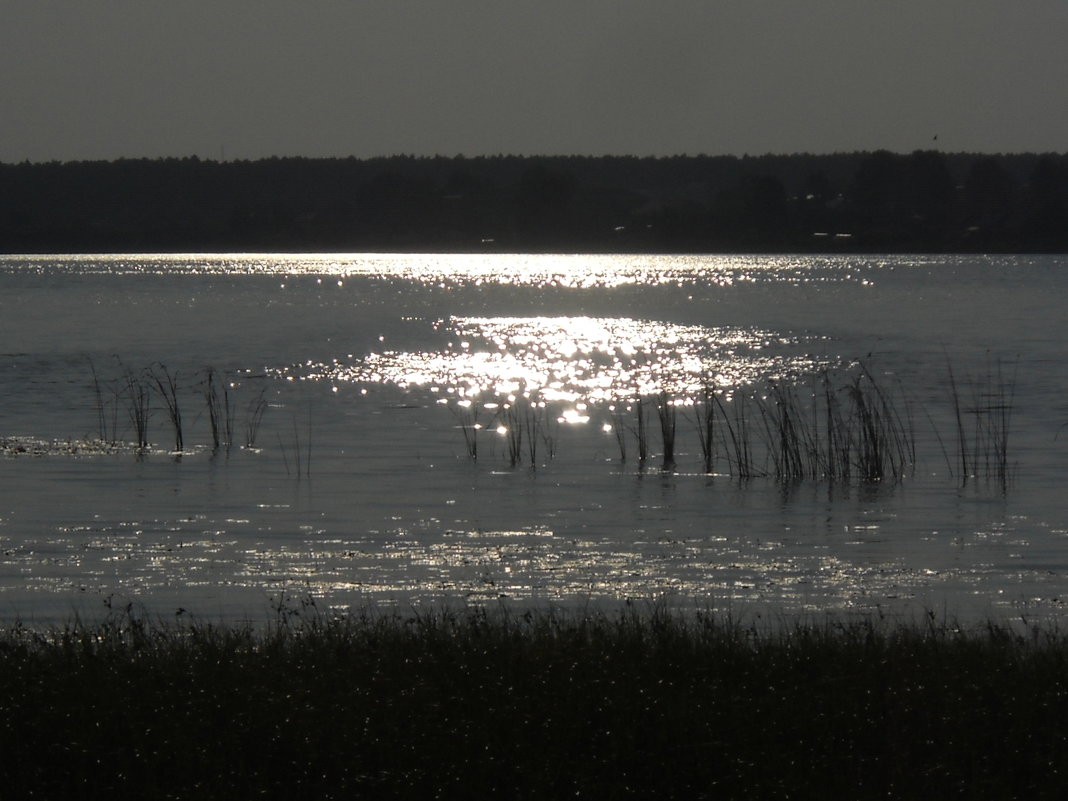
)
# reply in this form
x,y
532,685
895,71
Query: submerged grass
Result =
x,y
542,706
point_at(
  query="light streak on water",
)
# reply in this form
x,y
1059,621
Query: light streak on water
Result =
x,y
566,271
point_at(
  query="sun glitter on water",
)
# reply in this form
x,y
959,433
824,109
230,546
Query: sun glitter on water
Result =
x,y
574,359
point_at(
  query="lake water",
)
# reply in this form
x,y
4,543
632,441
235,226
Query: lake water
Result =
x,y
371,372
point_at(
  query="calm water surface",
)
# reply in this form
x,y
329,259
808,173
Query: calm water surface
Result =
x,y
360,489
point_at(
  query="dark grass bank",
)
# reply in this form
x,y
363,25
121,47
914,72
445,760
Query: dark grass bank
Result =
x,y
545,706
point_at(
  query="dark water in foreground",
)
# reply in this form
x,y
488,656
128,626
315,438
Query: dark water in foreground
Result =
x,y
359,488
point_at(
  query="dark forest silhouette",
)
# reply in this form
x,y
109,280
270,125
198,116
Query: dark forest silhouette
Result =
x,y
926,201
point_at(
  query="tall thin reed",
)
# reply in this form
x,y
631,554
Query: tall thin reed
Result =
x,y
1006,397
285,458
666,413
620,431
962,440
103,432
549,429
705,421
296,444
640,429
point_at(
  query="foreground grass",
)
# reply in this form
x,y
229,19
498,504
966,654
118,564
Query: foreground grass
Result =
x,y
542,706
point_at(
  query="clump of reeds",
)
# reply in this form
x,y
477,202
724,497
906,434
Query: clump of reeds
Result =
x,y
254,412
467,412
138,394
134,390
859,429
983,447
546,426
627,704
705,421
526,426
167,384
736,435
220,409
885,444
790,438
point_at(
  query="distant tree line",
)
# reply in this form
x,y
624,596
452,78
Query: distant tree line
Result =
x,y
925,201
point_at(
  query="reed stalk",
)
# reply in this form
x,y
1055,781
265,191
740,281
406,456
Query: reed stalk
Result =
x,y
533,426
549,430
296,444
962,440
1004,407
619,431
103,434
285,459
640,429
308,453
666,413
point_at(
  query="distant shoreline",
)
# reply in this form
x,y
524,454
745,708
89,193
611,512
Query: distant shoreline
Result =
x,y
864,203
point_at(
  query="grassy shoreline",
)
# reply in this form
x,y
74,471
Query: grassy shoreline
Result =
x,y
640,704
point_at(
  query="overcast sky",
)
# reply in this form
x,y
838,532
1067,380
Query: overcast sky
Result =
x,y
102,79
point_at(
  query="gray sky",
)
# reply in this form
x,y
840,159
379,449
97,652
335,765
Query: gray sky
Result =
x,y
102,79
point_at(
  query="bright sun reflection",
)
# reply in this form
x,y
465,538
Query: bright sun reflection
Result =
x,y
577,360
571,271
